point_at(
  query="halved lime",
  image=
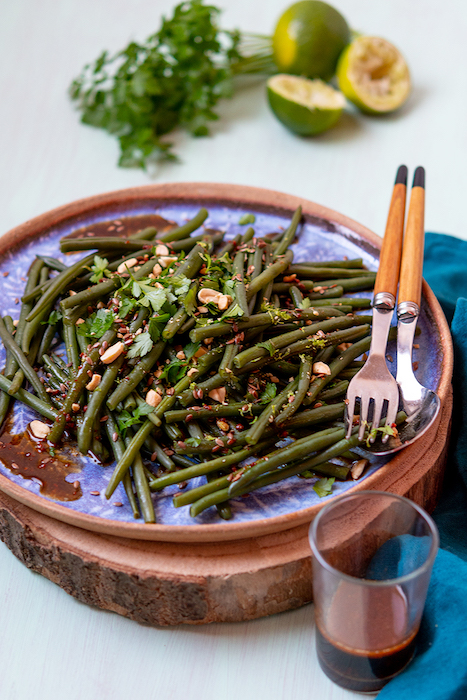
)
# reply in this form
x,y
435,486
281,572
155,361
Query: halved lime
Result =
x,y
308,39
373,75
306,107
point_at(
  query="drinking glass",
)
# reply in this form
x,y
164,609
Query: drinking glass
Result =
x,y
372,558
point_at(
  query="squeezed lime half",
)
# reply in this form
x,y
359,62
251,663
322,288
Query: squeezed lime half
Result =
x,y
306,107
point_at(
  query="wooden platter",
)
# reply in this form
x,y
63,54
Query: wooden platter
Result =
x,y
167,574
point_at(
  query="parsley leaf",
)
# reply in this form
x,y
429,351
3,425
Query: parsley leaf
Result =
x,y
323,487
174,371
54,317
97,324
156,325
99,269
141,345
174,79
126,419
269,393
267,345
247,219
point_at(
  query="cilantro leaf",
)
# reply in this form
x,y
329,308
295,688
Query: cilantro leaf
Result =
x,y
97,324
100,269
323,487
267,345
142,344
191,349
269,393
174,371
247,219
54,317
126,419
174,79
156,325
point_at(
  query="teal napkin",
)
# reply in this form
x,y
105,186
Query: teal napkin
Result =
x,y
439,669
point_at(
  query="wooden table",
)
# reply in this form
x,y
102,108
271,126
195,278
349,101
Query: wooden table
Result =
x,y
52,646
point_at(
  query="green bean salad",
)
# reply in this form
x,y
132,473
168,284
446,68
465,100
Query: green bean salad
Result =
x,y
190,355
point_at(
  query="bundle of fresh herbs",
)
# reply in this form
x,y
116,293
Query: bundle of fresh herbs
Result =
x,y
173,80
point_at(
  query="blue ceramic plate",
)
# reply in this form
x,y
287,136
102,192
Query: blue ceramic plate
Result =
x,y
271,508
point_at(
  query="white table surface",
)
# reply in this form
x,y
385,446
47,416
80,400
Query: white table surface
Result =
x,y
50,645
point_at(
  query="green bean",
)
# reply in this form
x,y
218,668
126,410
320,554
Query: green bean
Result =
x,y
45,409
315,416
78,386
282,341
255,260
229,246
234,408
334,338
269,413
339,389
23,363
297,450
296,296
239,289
354,263
95,402
187,244
57,372
289,234
204,468
303,382
225,367
100,290
71,344
130,454
329,293
352,284
248,235
187,497
354,302
183,231
269,274
175,323
265,295
224,510
61,282
159,454
323,272
131,381
9,372
142,490
168,401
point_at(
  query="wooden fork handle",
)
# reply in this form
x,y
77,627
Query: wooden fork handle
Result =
x,y
410,287
387,276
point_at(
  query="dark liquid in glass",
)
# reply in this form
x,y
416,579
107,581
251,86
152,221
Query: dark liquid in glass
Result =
x,y
362,651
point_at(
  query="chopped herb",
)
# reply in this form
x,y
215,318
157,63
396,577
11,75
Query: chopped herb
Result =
x,y
54,317
323,487
126,419
97,324
247,219
174,79
269,393
100,269
141,346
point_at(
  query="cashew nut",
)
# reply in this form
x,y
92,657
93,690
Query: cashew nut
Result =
x,y
161,249
218,394
321,368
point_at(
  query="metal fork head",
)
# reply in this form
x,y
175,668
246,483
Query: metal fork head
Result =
x,y
374,385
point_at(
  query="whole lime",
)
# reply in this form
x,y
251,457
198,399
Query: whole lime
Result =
x,y
306,107
309,38
373,74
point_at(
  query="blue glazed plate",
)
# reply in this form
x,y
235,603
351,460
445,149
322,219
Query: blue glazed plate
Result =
x,y
324,235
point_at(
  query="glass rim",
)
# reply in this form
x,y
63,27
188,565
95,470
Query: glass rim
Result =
x,y
427,564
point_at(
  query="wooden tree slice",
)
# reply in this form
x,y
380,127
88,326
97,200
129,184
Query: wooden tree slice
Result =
x,y
167,583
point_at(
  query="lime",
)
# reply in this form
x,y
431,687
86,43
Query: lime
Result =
x,y
373,75
306,107
308,39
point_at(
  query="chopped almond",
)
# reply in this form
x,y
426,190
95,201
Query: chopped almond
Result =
x,y
218,394
112,353
344,346
126,265
166,260
161,249
39,429
157,269
200,352
153,398
94,383
321,368
357,468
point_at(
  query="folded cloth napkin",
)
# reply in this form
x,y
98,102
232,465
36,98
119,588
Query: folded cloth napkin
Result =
x,y
439,669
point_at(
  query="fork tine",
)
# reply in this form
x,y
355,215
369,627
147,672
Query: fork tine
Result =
x,y
350,412
377,411
391,414
364,405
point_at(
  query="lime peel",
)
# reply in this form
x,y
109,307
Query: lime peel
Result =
x,y
373,74
306,107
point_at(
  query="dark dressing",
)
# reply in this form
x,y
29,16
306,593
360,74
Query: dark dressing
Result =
x,y
30,458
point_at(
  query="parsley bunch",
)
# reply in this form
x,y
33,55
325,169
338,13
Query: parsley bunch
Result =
x,y
174,79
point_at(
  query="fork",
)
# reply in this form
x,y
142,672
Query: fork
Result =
x,y
374,383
